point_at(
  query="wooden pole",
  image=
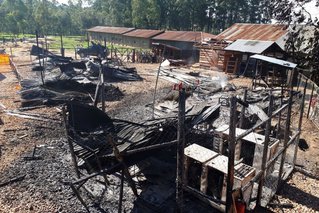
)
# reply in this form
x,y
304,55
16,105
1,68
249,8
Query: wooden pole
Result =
x,y
37,40
265,150
74,161
300,121
62,49
279,115
241,124
121,192
286,138
310,100
102,89
157,76
88,39
180,151
231,155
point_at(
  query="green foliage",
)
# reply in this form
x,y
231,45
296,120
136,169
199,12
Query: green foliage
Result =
x,y
303,32
51,18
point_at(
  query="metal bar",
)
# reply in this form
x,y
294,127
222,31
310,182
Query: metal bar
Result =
x,y
121,192
311,96
231,155
286,137
180,150
265,150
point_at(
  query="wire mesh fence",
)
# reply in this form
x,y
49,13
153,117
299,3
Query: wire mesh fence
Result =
x,y
311,98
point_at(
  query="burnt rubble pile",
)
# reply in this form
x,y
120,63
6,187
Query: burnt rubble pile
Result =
x,y
61,79
135,141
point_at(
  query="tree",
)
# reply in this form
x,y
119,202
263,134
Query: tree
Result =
x,y
303,32
145,13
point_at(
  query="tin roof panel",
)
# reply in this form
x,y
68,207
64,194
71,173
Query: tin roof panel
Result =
x,y
143,33
261,32
112,30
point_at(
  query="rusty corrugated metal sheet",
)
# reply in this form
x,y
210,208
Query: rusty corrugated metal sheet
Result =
x,y
112,30
261,32
188,36
144,33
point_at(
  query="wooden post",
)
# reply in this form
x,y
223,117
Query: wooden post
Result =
x,y
97,91
231,155
286,137
300,122
62,49
120,159
310,100
74,161
279,115
157,76
88,39
265,150
180,150
102,89
242,113
121,192
241,124
133,56
41,72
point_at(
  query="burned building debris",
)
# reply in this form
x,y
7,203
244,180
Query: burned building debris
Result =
x,y
64,79
209,145
231,144
93,50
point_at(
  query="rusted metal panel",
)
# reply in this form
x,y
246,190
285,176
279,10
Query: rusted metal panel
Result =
x,y
262,32
186,36
140,33
112,30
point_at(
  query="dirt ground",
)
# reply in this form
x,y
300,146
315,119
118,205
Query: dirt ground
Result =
x,y
43,190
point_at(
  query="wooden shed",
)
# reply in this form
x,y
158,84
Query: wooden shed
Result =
x,y
184,42
214,56
140,38
108,34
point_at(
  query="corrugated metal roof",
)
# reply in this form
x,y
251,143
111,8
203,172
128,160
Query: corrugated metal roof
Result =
x,y
261,32
250,46
143,33
112,30
188,36
274,61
